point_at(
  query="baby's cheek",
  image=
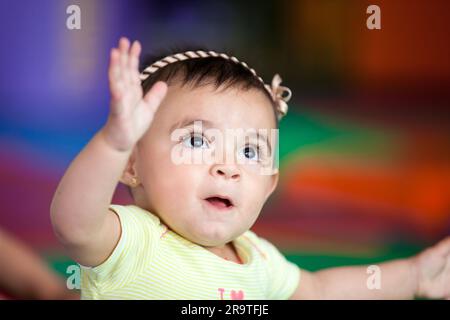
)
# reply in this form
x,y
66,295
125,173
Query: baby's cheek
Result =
x,y
257,191
184,181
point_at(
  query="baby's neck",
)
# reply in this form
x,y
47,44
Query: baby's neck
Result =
x,y
227,252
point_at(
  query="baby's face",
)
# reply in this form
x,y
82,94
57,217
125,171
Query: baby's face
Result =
x,y
207,199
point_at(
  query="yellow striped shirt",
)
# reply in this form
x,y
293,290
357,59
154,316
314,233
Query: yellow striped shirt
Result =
x,y
151,261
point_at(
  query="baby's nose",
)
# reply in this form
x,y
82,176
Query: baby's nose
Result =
x,y
227,171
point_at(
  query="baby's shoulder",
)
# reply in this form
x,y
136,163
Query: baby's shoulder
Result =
x,y
135,217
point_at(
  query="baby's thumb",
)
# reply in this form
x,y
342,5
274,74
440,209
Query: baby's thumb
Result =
x,y
155,95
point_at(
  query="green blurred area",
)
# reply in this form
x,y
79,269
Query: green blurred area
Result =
x,y
317,261
317,134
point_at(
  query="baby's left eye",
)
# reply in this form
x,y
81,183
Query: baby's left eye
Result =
x,y
250,153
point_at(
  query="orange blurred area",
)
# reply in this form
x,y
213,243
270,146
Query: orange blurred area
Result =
x,y
416,187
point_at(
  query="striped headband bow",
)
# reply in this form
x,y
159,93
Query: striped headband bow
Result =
x,y
280,94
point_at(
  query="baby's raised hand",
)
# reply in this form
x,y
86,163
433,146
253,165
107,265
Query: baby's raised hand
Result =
x,y
433,271
131,113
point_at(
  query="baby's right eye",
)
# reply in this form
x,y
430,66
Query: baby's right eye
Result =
x,y
195,141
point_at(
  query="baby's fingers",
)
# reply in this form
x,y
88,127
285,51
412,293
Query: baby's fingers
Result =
x,y
135,51
124,46
114,74
443,247
133,62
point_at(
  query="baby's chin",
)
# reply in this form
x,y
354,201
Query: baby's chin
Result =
x,y
212,237
212,242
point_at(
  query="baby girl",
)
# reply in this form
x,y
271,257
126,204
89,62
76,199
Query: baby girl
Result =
x,y
197,192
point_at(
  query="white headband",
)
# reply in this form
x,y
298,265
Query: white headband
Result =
x,y
279,94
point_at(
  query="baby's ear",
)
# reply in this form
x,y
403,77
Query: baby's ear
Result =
x,y
129,174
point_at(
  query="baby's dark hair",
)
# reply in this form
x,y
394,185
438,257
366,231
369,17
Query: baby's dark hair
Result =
x,y
198,72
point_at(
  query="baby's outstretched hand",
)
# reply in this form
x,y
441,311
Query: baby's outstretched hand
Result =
x,y
131,113
433,271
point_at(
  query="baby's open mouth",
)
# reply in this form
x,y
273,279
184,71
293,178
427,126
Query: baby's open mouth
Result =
x,y
220,202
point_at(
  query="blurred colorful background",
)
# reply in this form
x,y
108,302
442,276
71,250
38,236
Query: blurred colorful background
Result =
x,y
365,147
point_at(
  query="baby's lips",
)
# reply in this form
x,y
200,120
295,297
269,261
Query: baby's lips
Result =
x,y
225,198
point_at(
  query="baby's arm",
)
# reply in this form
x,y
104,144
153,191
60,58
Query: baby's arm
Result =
x,y
79,210
397,282
24,275
425,275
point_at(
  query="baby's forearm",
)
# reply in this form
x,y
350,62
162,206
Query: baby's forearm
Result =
x,y
398,280
24,275
81,200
